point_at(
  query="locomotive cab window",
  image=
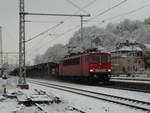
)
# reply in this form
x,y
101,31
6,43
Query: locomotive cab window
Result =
x,y
96,58
100,58
105,58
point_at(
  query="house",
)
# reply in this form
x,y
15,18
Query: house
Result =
x,y
130,57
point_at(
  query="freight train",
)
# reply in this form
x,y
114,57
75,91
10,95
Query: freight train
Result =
x,y
90,66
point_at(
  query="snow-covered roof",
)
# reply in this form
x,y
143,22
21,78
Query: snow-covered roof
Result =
x,y
147,46
130,48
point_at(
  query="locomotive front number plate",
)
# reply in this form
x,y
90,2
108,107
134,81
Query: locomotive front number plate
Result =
x,y
100,70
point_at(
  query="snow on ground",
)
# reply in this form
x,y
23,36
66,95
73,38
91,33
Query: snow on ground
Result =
x,y
131,81
8,105
142,77
89,105
70,103
118,92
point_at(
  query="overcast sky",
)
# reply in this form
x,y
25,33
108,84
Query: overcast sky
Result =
x,y
9,20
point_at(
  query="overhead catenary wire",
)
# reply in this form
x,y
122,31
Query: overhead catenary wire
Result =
x,y
46,37
127,13
121,15
90,3
44,32
50,14
87,21
105,11
87,5
81,9
42,39
58,36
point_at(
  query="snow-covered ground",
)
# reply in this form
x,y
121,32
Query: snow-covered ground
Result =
x,y
139,79
70,103
131,81
144,78
86,104
117,92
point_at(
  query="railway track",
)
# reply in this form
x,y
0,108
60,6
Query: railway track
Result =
x,y
40,107
127,89
133,103
131,79
142,86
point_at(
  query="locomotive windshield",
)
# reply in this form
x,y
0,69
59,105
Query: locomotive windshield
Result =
x,y
100,58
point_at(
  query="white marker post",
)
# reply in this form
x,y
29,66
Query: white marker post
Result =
x,y
4,78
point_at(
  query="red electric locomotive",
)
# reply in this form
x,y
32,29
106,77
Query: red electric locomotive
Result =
x,y
95,66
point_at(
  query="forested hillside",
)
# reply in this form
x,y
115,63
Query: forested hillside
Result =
x,y
103,38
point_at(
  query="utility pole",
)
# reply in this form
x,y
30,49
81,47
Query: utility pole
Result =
x,y
5,59
22,69
73,15
1,51
22,73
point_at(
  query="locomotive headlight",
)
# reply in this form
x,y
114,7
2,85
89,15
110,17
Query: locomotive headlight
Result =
x,y
91,70
109,70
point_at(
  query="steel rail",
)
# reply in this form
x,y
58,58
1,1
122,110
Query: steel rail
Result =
x,y
106,97
42,108
131,79
128,89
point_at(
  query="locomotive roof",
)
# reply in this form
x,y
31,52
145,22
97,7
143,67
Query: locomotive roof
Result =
x,y
91,53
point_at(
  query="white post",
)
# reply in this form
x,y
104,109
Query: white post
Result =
x,y
1,52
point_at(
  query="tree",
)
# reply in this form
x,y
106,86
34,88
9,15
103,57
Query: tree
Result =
x,y
55,53
93,36
38,59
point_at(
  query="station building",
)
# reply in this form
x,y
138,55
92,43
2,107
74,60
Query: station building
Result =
x,y
130,57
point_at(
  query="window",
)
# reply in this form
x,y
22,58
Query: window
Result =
x,y
139,62
75,61
139,53
105,58
96,58
100,58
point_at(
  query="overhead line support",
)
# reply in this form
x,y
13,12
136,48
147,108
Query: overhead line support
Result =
x,y
22,69
1,55
46,14
50,14
22,14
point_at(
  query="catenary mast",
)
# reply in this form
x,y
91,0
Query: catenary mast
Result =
x,y
1,52
22,68
22,14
